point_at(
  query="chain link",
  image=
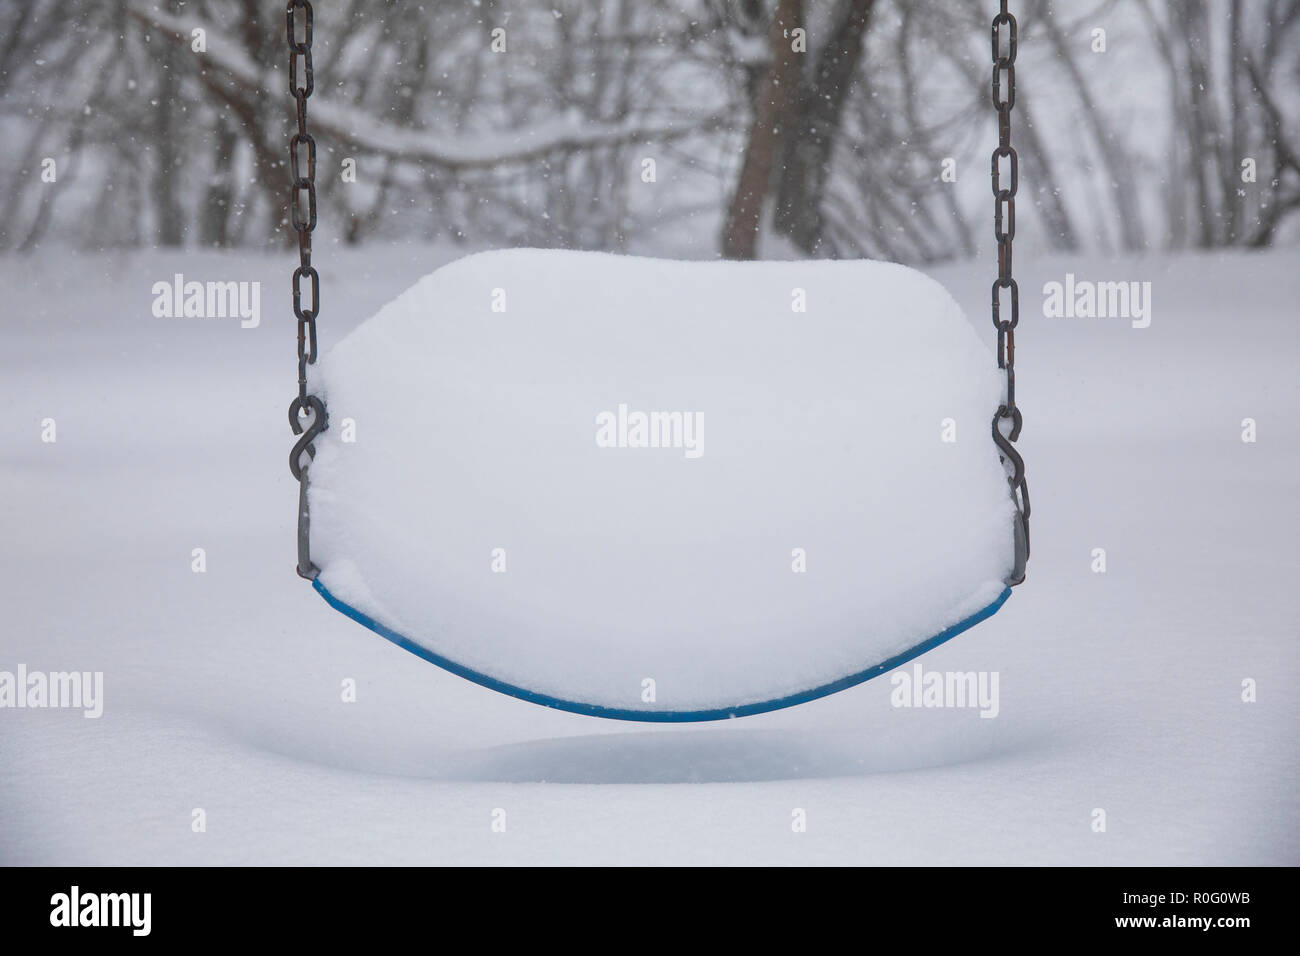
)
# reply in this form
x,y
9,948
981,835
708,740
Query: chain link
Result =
x,y
302,217
1004,231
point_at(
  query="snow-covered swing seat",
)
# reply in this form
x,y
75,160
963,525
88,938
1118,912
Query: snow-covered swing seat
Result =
x,y
658,490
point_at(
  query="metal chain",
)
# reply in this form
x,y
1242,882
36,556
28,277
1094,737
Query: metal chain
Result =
x,y
302,147
1004,230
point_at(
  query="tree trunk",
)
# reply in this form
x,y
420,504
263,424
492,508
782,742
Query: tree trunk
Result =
x,y
1235,147
1201,122
171,222
777,95
807,153
215,224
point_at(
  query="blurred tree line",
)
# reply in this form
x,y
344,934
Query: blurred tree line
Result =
x,y
732,127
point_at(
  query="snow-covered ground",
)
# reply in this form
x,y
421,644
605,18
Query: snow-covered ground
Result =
x,y
1119,691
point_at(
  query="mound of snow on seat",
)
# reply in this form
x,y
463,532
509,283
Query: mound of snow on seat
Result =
x,y
802,520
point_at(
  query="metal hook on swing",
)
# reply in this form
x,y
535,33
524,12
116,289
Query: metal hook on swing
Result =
x,y
1017,487
303,446
319,422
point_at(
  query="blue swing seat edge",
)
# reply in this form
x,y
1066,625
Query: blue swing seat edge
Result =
x,y
661,716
